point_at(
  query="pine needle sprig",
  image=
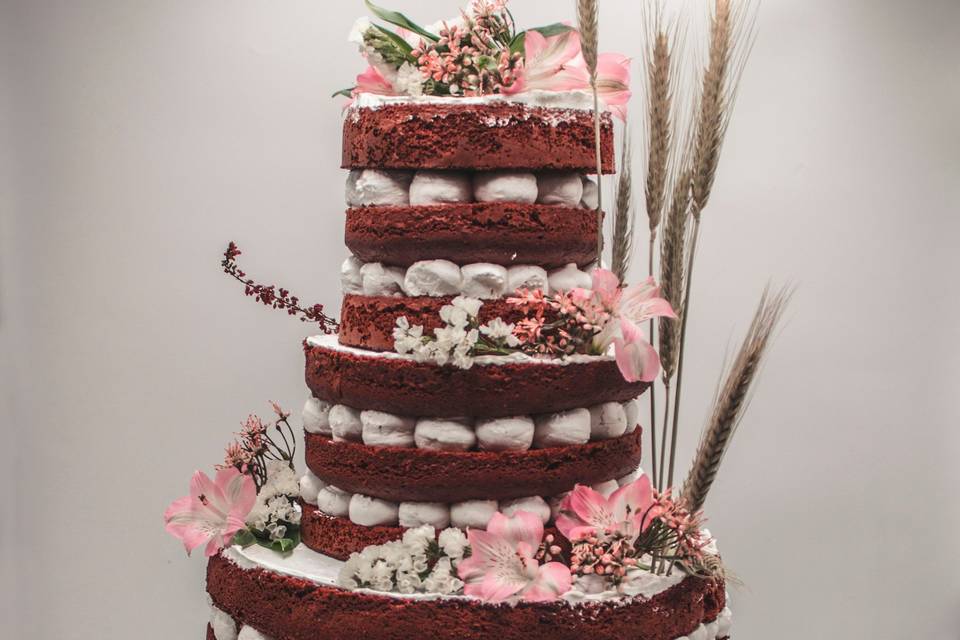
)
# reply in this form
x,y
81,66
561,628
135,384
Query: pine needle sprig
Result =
x,y
623,215
733,398
588,24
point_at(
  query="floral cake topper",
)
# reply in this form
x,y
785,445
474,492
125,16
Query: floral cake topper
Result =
x,y
480,52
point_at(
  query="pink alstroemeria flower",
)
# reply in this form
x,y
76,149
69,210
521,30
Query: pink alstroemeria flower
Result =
x,y
629,307
213,512
502,563
629,511
372,81
557,64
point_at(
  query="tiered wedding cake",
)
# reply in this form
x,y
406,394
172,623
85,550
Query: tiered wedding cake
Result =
x,y
472,436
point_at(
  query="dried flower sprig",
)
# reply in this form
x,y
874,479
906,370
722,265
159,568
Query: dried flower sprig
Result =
x,y
733,398
273,296
258,443
623,215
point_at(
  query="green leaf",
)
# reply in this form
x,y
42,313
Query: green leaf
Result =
x,y
244,538
399,20
346,93
554,29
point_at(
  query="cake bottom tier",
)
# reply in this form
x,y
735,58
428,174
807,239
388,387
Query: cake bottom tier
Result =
x,y
295,598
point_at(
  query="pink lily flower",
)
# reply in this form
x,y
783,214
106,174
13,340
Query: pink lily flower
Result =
x,y
629,511
556,64
213,512
629,307
502,563
372,81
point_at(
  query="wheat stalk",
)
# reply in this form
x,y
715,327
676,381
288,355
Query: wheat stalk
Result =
x,y
731,37
623,219
588,22
732,399
659,130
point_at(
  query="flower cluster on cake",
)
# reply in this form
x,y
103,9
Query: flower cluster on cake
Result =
x,y
472,435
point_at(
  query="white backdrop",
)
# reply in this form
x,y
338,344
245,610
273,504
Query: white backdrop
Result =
x,y
137,138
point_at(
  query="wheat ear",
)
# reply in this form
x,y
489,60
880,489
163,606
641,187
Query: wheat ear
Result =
x,y
732,399
588,22
623,218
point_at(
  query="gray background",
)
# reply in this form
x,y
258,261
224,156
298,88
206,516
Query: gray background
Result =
x,y
137,138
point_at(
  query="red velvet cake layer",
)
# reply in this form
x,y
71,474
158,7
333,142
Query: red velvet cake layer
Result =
x,y
367,322
475,136
427,475
497,232
295,609
339,537
406,387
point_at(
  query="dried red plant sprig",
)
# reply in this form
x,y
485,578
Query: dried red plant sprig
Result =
x,y
275,297
258,443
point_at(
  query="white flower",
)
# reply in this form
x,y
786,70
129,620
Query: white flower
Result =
x,y
453,542
360,27
499,331
408,582
276,531
418,540
347,577
454,317
470,305
409,80
407,339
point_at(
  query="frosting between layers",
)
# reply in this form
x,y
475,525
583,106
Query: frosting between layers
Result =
x,y
330,342
311,566
575,100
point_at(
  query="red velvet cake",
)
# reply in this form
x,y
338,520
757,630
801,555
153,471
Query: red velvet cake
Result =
x,y
472,438
499,232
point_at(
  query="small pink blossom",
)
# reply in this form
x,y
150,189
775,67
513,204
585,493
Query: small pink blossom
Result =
x,y
213,512
503,562
628,512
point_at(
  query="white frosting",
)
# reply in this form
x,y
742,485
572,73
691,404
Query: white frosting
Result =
x,y
345,424
573,100
249,633
438,187
369,187
444,435
316,417
379,280
432,278
351,279
387,430
483,280
632,413
310,486
529,277
570,277
373,512
472,514
630,477
330,343
591,193
534,505
415,514
334,501
505,434
607,488
560,188
305,564
505,186
562,429
608,420
224,627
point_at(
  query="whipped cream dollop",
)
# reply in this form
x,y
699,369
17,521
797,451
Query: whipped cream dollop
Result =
x,y
444,435
562,429
528,277
505,434
415,514
432,278
382,429
560,188
316,416
483,280
334,501
249,633
533,504
345,424
373,512
607,420
376,187
310,486
570,277
440,187
224,627
505,186
472,514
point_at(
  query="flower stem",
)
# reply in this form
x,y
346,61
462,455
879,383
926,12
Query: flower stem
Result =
x,y
663,435
596,136
682,347
653,387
